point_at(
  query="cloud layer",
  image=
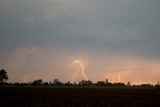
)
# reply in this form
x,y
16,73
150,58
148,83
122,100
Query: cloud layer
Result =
x,y
108,36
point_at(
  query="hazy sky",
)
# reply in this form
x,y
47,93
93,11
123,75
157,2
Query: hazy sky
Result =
x,y
114,39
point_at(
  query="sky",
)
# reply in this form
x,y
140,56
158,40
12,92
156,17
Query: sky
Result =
x,y
114,39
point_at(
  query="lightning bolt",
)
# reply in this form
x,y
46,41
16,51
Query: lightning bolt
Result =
x,y
76,61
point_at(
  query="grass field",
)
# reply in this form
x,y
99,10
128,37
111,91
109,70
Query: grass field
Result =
x,y
79,96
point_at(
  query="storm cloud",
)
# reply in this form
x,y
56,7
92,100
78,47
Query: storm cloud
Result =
x,y
108,36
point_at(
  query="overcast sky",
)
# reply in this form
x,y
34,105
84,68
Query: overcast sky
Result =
x,y
114,39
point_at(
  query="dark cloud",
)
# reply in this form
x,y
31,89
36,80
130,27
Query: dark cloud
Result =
x,y
119,28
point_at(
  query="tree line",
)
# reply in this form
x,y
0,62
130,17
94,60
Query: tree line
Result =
x,y
56,82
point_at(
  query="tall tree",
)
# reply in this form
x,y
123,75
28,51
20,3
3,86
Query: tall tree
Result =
x,y
57,82
3,76
37,82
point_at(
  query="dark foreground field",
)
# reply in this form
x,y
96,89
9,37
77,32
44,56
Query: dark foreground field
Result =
x,y
78,96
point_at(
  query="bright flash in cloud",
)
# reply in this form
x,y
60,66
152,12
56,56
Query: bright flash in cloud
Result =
x,y
30,50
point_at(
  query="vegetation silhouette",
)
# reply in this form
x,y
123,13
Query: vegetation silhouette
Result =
x,y
37,82
56,82
3,76
83,83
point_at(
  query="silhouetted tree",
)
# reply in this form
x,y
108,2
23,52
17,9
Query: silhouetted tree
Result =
x,y
37,82
57,82
157,85
85,83
119,84
50,83
100,83
107,81
74,83
68,83
146,85
89,83
3,76
20,84
128,83
16,84
109,84
46,83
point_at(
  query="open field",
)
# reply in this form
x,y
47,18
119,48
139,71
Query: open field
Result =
x,y
78,96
